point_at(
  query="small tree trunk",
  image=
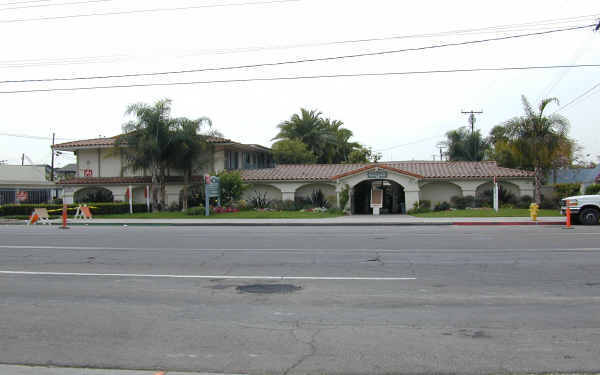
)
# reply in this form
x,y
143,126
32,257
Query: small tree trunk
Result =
x,y
154,189
163,189
186,190
538,185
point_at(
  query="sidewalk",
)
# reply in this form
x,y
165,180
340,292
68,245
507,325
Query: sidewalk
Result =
x,y
42,370
356,220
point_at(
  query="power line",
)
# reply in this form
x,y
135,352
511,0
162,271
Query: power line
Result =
x,y
155,10
578,98
34,137
288,62
291,78
55,4
116,58
25,2
410,143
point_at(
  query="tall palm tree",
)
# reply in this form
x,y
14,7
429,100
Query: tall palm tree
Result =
x,y
189,149
147,140
539,139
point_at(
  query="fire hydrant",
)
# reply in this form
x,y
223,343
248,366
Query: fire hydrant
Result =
x,y
533,211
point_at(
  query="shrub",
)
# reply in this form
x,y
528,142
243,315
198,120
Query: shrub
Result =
x,y
259,200
442,206
420,207
592,189
317,198
425,204
566,190
232,186
195,211
303,203
549,204
286,205
344,197
524,201
461,203
174,207
240,204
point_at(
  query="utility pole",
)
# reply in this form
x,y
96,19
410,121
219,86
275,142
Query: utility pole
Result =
x,y
472,120
52,166
22,159
441,146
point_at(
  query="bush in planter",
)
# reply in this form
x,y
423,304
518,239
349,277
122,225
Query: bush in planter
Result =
x,y
259,200
420,207
317,198
285,205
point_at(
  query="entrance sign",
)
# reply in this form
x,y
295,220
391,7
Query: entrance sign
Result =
x,y
376,198
212,188
377,174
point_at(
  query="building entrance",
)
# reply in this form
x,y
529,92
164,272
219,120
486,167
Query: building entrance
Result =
x,y
393,197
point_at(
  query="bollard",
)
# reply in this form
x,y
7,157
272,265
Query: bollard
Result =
x,y
64,217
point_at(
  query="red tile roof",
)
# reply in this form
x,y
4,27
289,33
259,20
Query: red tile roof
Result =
x,y
109,142
424,169
121,180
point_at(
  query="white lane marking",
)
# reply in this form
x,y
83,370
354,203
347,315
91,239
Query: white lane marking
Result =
x,y
323,251
220,277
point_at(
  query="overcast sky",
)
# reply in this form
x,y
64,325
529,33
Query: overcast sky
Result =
x,y
403,116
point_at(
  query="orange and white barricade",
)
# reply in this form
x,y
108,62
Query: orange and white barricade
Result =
x,y
83,213
39,215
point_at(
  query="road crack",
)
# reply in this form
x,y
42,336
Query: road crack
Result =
x,y
312,350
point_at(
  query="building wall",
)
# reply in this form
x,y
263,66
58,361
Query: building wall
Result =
x,y
88,159
307,190
110,164
219,163
437,192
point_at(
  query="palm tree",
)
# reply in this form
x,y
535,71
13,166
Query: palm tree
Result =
x,y
539,139
189,149
307,127
463,145
147,140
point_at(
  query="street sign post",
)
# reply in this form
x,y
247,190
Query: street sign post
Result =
x,y
212,189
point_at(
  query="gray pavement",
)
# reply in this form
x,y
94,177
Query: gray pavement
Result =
x,y
425,299
44,370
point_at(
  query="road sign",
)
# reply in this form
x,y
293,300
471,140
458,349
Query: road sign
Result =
x,y
22,196
211,189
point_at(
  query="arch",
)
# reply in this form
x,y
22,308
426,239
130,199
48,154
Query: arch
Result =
x,y
439,191
394,198
95,194
509,192
305,191
271,192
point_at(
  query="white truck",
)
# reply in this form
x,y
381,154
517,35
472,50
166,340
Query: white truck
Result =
x,y
585,209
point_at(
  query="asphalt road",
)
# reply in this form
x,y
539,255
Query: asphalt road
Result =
x,y
357,299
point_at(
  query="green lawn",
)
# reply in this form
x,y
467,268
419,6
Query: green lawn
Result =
x,y
250,214
503,212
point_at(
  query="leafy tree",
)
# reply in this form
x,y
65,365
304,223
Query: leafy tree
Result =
x,y
463,145
534,141
292,151
145,144
232,186
363,154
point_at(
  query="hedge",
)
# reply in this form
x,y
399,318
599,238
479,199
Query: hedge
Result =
x,y
592,189
97,208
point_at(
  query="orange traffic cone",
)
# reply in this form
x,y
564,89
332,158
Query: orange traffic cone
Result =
x,y
34,217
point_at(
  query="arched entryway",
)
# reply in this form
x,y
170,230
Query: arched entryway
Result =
x,y
94,194
394,201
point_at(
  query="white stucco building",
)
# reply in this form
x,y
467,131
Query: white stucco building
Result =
x,y
404,182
